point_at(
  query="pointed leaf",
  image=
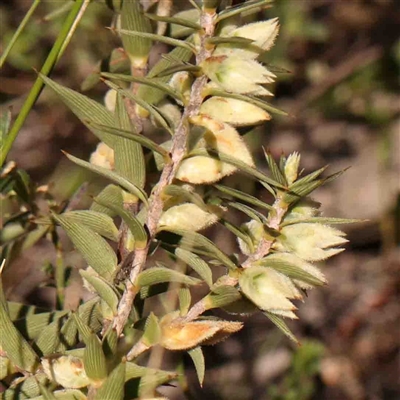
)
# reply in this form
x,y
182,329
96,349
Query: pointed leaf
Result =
x,y
281,325
221,296
84,108
96,221
94,249
84,330
144,141
132,18
175,20
230,40
155,275
152,332
151,109
106,173
128,155
195,262
321,220
253,214
103,289
185,300
275,171
17,349
94,359
154,37
113,387
136,228
244,7
146,81
111,193
197,356
172,69
194,241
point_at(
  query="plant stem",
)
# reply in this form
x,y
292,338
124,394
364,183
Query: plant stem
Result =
x,y
59,46
178,151
19,30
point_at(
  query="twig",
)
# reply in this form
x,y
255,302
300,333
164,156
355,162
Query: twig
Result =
x,y
178,151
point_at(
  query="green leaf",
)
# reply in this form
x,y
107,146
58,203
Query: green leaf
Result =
x,y
112,176
46,394
129,159
321,220
179,192
281,325
84,330
96,221
175,20
134,225
155,275
290,270
197,356
154,37
110,193
28,388
230,40
110,342
237,163
152,331
103,289
113,387
194,241
94,359
253,214
221,296
49,338
244,7
143,140
191,16
185,299
32,325
91,315
151,109
154,96
84,108
152,82
275,171
68,335
65,394
249,99
18,350
132,18
196,263
177,68
94,249
237,232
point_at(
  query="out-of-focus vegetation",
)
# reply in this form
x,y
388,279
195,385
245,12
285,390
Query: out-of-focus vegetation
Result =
x,y
338,65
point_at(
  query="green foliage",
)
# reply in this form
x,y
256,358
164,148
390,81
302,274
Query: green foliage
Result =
x,y
200,93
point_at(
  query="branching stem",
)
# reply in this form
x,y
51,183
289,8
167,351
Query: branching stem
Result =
x,y
178,151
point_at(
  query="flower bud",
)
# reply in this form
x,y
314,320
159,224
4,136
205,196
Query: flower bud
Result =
x,y
238,75
188,216
182,83
67,371
103,156
309,241
255,230
269,290
177,335
262,33
199,170
234,112
292,167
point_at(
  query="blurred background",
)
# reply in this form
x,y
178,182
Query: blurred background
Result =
x,y
338,66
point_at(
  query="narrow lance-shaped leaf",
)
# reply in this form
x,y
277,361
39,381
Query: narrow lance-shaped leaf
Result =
x,y
98,222
281,325
113,387
195,262
114,177
197,356
148,107
128,154
132,18
175,20
155,275
109,193
145,81
163,39
103,289
94,360
94,249
84,108
144,141
133,223
245,7
13,344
